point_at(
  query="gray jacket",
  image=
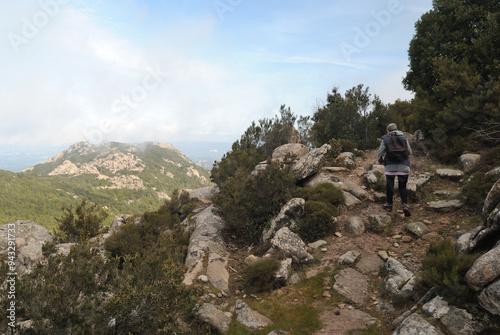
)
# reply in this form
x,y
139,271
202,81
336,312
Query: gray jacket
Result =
x,y
391,166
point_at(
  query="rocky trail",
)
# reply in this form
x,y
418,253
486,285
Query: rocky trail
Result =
x,y
354,295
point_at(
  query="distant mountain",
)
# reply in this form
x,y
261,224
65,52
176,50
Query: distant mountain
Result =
x,y
18,158
123,178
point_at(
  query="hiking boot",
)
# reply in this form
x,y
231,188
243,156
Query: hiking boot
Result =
x,y
387,207
406,210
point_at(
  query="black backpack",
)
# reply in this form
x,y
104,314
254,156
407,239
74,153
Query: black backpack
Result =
x,y
397,148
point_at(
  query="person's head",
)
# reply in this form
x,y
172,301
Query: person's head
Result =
x,y
391,127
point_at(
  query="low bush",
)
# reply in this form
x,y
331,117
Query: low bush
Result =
x,y
82,223
247,202
127,240
317,221
322,204
260,276
445,270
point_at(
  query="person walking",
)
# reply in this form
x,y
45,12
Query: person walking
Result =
x,y
393,154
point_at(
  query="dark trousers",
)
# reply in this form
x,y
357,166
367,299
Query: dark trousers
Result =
x,y
402,180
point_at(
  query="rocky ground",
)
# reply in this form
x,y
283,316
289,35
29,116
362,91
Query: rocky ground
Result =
x,y
357,298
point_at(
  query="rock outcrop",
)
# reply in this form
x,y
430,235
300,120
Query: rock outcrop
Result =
x,y
291,244
287,217
206,240
29,238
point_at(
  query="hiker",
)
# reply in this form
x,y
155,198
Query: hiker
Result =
x,y
396,149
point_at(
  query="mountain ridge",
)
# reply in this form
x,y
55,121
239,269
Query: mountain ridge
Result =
x,y
119,176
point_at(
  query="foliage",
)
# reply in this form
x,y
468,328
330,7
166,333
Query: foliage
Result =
x,y
322,204
445,270
126,241
356,117
454,71
490,159
255,145
463,31
136,288
477,188
260,276
162,225
248,202
85,222
336,148
34,195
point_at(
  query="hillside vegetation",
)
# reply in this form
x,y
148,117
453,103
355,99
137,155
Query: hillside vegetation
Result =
x,y
122,178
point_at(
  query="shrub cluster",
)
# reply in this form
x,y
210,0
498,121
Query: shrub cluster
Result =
x,y
85,222
445,270
260,276
322,204
248,202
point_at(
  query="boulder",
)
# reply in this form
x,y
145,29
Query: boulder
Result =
x,y
416,324
352,285
485,270
355,225
259,167
317,244
489,298
450,173
399,279
495,171
445,206
460,322
436,308
293,150
369,264
284,271
349,257
491,208
470,161
216,318
311,163
346,159
29,238
118,221
250,318
287,217
350,201
416,181
291,245
417,229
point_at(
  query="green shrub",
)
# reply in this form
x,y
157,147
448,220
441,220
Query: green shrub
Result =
x,y
476,190
490,159
260,276
445,270
324,192
336,148
49,248
317,221
84,223
347,145
247,202
127,240
322,204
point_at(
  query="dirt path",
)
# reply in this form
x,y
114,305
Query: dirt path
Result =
x,y
339,319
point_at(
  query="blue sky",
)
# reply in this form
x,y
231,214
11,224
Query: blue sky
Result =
x,y
188,70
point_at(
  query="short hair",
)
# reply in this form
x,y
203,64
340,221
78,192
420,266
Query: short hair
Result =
x,y
392,127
